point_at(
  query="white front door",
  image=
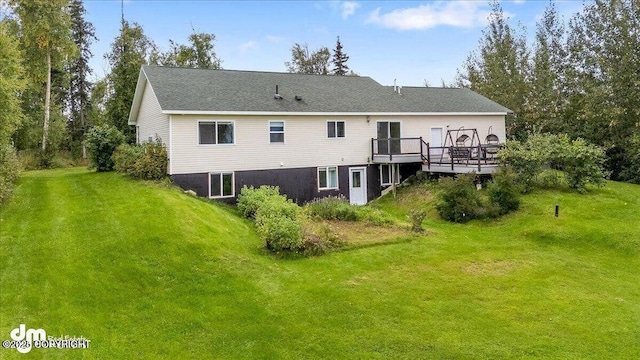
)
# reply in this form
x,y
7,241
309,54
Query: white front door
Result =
x,y
358,186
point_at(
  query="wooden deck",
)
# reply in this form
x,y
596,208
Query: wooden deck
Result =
x,y
481,159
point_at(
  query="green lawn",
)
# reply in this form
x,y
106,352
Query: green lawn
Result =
x,y
144,271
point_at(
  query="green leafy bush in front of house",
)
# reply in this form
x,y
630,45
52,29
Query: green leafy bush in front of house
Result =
x,y
251,198
145,161
101,141
125,157
504,192
458,199
277,224
332,208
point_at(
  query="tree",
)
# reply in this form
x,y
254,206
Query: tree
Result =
x,y
304,62
82,35
544,106
45,28
199,54
129,51
498,68
604,66
339,60
11,83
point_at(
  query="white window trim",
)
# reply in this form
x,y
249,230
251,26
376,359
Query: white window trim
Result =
x,y
233,182
390,176
327,170
336,137
233,122
284,131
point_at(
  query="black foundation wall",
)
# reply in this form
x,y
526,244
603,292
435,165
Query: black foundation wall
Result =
x,y
300,184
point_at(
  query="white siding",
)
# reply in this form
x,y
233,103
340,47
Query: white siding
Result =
x,y
151,121
306,143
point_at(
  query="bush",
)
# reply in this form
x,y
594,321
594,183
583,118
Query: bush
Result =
x,y
417,216
277,225
373,216
101,142
251,198
320,243
333,208
581,163
458,200
9,171
145,161
504,193
125,157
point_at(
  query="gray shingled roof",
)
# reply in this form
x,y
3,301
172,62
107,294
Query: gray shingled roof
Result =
x,y
180,89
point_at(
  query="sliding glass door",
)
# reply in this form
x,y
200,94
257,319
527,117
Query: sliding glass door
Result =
x,y
389,130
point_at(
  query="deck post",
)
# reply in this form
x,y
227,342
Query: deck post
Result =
x,y
451,156
479,155
372,149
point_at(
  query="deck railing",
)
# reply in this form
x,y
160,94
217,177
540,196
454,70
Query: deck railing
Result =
x,y
384,150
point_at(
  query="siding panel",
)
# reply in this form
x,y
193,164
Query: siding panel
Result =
x,y
306,143
151,121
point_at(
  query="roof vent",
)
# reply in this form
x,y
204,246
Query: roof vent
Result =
x,y
298,98
277,96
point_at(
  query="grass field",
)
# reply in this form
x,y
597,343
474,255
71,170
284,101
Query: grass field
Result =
x,y
144,271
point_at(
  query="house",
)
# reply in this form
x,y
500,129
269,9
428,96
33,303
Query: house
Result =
x,y
312,135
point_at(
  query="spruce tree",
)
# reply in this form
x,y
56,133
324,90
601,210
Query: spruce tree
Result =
x,y
82,35
339,60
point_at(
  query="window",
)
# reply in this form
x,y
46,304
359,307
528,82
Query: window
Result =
x,y
335,129
386,175
328,177
221,185
276,131
215,132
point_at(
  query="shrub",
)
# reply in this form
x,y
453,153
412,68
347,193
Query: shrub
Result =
x,y
417,216
145,161
321,242
101,142
251,198
504,193
9,171
458,200
277,225
333,208
581,163
125,157
373,216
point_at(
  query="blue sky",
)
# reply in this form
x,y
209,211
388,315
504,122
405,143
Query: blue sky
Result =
x,y
411,41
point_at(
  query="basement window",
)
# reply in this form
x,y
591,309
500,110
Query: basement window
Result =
x,y
327,177
386,175
221,184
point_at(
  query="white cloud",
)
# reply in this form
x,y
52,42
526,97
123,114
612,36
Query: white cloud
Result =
x,y
466,14
518,1
247,46
349,8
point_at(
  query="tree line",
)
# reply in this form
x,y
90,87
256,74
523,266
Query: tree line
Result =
x,y
579,79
